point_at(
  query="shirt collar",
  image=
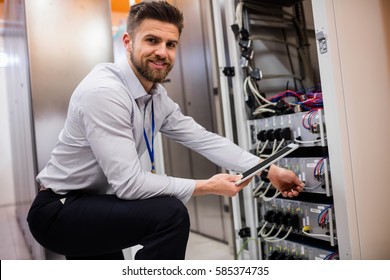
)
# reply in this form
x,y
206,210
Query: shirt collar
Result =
x,y
132,82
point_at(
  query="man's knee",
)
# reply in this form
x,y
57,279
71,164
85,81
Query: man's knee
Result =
x,y
177,212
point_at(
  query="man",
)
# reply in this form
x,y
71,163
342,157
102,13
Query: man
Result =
x,y
95,198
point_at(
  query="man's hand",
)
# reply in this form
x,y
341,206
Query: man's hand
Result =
x,y
223,184
285,181
220,184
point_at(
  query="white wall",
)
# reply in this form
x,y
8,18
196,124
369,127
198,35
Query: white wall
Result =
x,y
6,178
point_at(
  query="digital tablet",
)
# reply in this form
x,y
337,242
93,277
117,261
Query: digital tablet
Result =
x,y
267,162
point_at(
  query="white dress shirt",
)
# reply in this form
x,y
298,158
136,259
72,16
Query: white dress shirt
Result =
x,y
100,146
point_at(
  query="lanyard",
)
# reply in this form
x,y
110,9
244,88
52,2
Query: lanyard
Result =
x,y
151,148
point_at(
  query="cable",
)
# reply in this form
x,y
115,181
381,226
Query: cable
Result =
x,y
285,94
255,191
243,246
256,92
307,119
265,198
262,234
274,148
307,142
280,145
318,169
331,256
239,9
314,234
262,149
276,234
261,109
323,216
279,16
262,194
313,188
277,192
246,95
274,239
313,100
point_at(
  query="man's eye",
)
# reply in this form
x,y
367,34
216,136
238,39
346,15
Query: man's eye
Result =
x,y
171,45
151,40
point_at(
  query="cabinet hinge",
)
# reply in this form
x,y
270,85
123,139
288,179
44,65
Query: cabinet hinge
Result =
x,y
244,232
228,71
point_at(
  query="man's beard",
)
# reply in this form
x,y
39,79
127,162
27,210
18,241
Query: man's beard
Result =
x,y
152,75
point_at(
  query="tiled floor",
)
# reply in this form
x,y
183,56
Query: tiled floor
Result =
x,y
203,248
13,246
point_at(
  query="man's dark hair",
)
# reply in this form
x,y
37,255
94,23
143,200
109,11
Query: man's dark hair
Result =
x,y
158,10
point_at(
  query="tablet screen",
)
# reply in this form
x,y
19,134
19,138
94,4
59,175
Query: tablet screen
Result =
x,y
267,162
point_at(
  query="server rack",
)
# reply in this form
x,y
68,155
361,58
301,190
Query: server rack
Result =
x,y
335,159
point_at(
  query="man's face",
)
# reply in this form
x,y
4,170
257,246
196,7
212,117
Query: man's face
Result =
x,y
152,51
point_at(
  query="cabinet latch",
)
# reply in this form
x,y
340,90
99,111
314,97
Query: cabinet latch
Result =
x,y
228,71
322,44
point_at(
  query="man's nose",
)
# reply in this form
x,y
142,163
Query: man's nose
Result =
x,y
161,50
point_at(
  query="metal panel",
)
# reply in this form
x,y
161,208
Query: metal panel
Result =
x,y
240,119
191,87
77,35
53,45
337,131
227,110
348,74
23,151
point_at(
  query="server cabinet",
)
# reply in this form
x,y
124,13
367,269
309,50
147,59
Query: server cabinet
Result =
x,y
339,61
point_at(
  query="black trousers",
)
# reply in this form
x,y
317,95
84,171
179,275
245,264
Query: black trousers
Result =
x,y
93,226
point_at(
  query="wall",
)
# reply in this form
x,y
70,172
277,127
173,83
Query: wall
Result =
x,y
7,196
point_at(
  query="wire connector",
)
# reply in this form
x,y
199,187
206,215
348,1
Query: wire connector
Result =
x,y
256,74
245,44
244,34
244,232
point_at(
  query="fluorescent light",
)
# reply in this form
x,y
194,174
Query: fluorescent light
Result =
x,y
3,59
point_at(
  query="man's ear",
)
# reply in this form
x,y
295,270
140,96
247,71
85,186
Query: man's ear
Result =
x,y
127,41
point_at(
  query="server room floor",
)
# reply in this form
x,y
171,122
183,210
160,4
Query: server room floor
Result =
x,y
13,246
